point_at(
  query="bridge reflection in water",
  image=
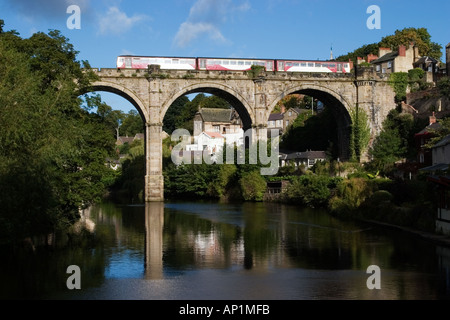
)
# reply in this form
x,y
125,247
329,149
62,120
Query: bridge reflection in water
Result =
x,y
325,257
154,225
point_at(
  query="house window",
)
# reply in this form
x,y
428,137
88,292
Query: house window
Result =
x,y
378,68
389,64
216,128
290,113
287,123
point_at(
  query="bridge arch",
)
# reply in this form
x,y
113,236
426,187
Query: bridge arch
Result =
x,y
124,93
340,106
237,101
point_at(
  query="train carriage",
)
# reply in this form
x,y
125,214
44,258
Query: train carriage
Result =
x,y
166,63
313,66
232,64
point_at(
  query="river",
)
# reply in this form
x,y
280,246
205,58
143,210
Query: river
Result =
x,y
223,251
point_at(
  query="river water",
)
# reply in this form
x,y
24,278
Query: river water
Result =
x,y
223,251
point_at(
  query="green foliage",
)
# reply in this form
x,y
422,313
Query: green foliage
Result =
x,y
170,119
399,82
181,113
444,86
253,186
395,142
311,190
419,36
406,36
52,151
256,71
350,195
360,133
318,132
131,124
439,133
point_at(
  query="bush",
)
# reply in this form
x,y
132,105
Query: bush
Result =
x,y
311,190
351,194
253,186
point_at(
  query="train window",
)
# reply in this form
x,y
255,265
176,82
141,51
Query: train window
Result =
x,y
248,63
241,63
281,66
303,64
318,65
233,62
296,64
325,65
346,65
168,61
333,65
175,61
310,64
202,63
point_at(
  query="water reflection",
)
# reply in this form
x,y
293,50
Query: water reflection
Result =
x,y
227,251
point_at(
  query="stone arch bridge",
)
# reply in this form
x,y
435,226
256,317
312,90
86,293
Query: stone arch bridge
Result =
x,y
153,91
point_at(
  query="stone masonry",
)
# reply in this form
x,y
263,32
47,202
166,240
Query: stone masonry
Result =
x,y
152,92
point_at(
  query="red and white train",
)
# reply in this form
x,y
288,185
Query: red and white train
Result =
x,y
231,64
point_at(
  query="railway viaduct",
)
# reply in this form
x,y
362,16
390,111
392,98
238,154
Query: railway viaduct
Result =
x,y
254,96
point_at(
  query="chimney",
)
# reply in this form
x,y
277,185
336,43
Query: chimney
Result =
x,y
402,51
416,53
383,51
283,109
433,119
371,57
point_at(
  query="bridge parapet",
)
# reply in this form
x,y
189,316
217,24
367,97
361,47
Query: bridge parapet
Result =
x,y
220,75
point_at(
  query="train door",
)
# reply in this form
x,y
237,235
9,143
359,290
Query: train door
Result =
x,y
280,66
202,64
339,67
128,63
269,66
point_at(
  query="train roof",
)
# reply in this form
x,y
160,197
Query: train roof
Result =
x,y
231,58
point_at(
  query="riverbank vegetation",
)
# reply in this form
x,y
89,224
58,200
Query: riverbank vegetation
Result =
x,y
52,147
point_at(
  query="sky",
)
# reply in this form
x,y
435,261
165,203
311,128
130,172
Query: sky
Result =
x,y
100,30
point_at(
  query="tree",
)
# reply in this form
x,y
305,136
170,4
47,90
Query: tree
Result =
x,y
395,141
132,124
419,36
253,186
52,151
172,113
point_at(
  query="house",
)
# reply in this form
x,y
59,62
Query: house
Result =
x,y
430,66
396,61
224,121
307,158
211,141
276,121
438,175
424,154
122,140
282,120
